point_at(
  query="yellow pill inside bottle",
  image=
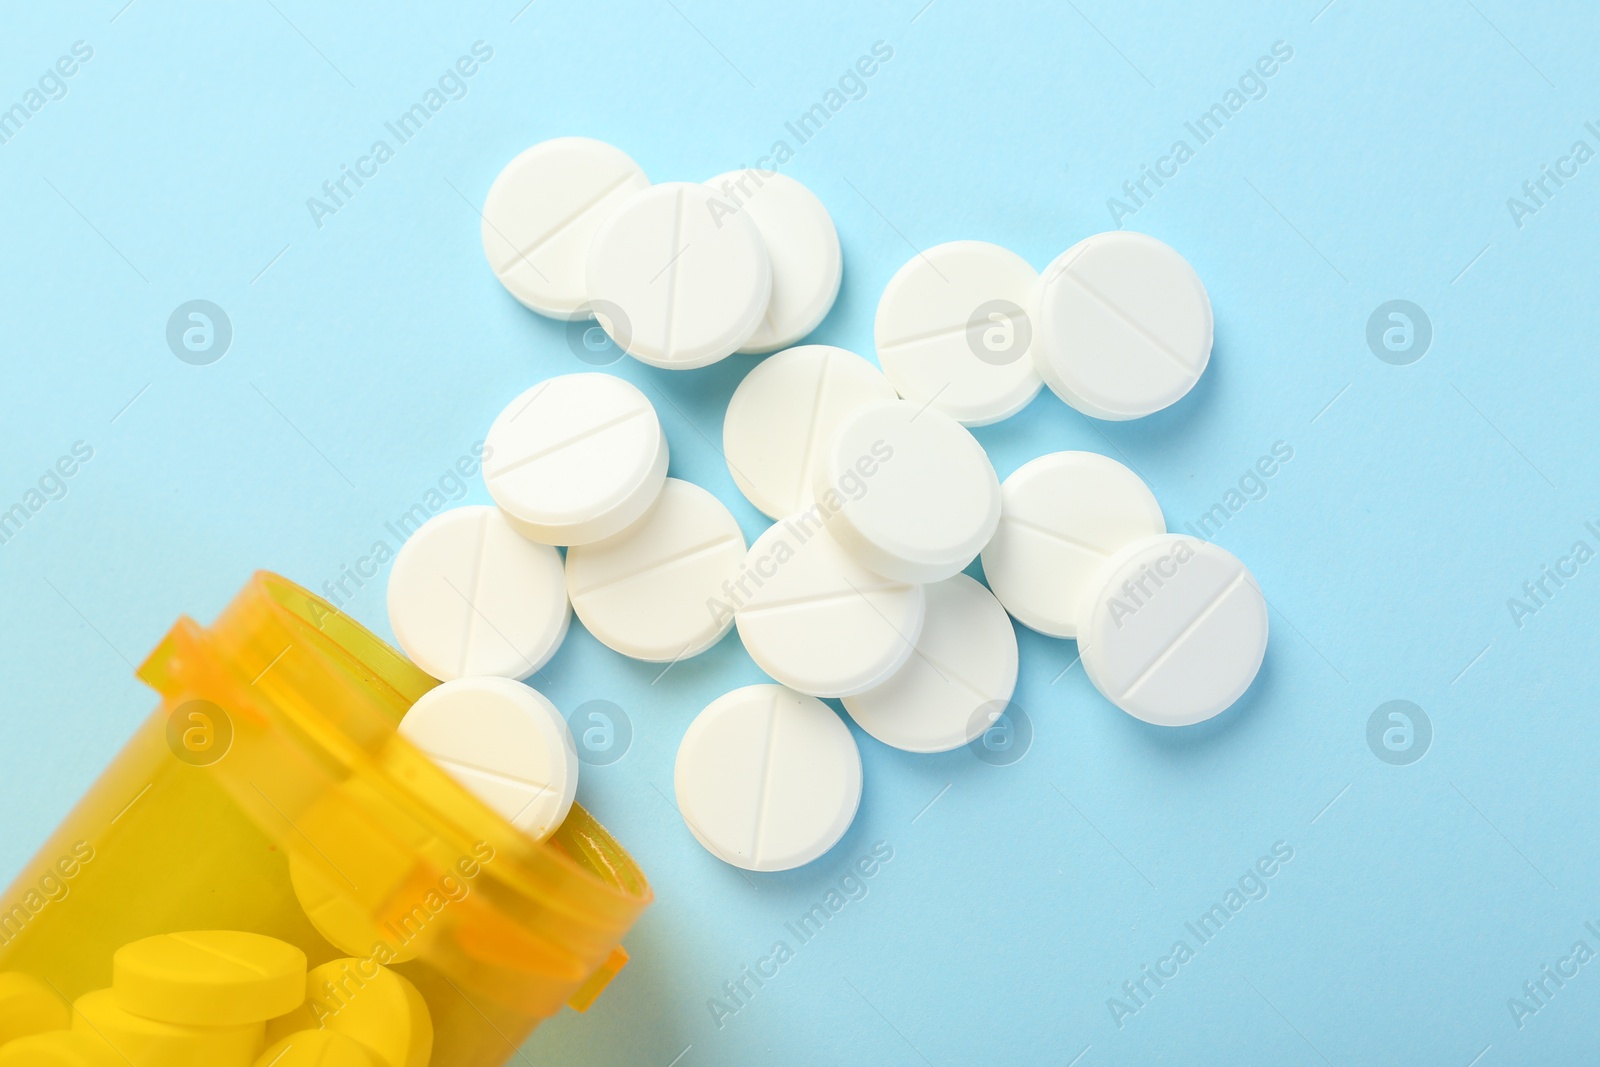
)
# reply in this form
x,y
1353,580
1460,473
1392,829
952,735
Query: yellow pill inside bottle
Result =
x,y
364,1000
316,1048
142,1042
209,977
339,917
28,1006
59,1048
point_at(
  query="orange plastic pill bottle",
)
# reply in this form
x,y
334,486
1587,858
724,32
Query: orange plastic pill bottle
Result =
x,y
275,745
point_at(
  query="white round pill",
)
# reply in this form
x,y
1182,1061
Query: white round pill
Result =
x,y
803,245
956,684
767,779
1124,326
953,330
470,596
576,458
783,415
1061,517
541,215
1172,630
651,591
677,277
505,743
908,491
814,618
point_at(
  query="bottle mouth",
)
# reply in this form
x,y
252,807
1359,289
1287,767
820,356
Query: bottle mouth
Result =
x,y
311,700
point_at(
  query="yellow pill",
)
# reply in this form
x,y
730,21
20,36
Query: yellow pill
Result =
x,y
209,977
371,844
145,1042
61,1048
314,1048
28,1006
339,917
360,999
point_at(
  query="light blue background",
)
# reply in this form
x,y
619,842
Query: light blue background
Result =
x,y
371,353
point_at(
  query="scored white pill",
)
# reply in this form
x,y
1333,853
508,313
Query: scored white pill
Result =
x,y
953,330
1061,517
1172,630
815,619
576,458
803,245
908,491
505,743
767,779
469,596
784,413
541,214
651,591
958,682
677,277
1124,326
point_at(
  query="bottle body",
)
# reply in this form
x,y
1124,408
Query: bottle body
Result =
x,y
270,793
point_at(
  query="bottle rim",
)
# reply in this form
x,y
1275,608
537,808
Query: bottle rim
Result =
x,y
280,651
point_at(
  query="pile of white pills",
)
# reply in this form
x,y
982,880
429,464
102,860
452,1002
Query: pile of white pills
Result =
x,y
881,498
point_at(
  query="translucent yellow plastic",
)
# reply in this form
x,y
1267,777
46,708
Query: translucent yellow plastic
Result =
x,y
301,703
